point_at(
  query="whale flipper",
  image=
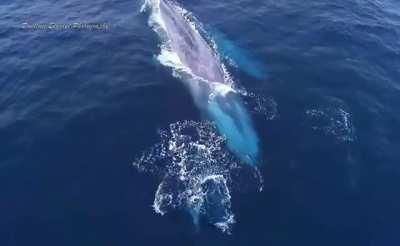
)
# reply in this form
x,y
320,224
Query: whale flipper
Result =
x,y
240,57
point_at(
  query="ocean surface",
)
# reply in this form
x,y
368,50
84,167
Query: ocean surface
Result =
x,y
320,80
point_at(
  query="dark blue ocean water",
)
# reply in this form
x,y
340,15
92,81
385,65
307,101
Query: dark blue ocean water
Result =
x,y
77,106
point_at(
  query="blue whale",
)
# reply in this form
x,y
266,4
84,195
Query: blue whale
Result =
x,y
215,98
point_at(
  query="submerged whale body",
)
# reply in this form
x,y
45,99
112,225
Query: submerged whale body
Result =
x,y
215,98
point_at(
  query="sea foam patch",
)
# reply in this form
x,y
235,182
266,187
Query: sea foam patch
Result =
x,y
196,172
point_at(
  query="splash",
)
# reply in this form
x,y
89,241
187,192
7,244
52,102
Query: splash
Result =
x,y
196,173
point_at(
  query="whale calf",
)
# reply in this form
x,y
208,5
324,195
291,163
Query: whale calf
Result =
x,y
188,50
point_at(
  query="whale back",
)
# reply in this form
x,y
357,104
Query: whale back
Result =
x,y
192,49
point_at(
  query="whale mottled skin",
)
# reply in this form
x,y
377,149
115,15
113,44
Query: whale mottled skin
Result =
x,y
191,48
217,100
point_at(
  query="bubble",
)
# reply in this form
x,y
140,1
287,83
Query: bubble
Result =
x,y
259,105
332,122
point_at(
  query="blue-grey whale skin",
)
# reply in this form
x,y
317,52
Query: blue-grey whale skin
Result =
x,y
225,107
191,48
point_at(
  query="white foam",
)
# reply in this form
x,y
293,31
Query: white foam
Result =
x,y
155,20
191,159
223,89
161,200
169,58
226,226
